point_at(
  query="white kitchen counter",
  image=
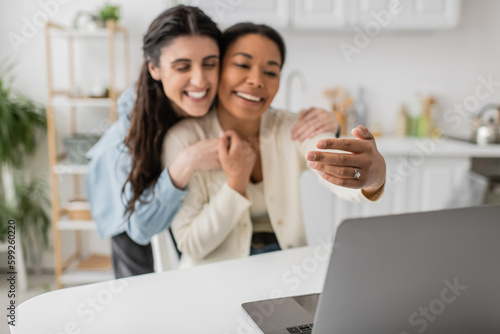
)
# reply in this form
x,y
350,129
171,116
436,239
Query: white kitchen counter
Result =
x,y
435,147
423,174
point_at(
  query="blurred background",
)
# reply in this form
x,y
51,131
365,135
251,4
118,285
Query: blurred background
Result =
x,y
423,75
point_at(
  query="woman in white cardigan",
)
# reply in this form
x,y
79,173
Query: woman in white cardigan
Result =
x,y
253,204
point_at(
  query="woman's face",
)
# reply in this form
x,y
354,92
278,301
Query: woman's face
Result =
x,y
250,77
189,72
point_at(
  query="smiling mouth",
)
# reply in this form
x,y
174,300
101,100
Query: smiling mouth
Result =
x,y
197,95
249,97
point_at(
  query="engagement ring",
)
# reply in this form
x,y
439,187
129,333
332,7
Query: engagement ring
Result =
x,y
356,174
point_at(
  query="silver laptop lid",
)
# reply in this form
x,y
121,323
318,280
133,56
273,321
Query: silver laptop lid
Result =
x,y
433,272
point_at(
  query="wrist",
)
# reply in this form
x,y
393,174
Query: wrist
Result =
x,y
373,193
238,186
181,169
188,158
373,189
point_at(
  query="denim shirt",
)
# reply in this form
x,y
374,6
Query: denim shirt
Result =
x,y
109,167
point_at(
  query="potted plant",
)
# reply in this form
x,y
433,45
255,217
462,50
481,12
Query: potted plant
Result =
x,y
108,13
23,199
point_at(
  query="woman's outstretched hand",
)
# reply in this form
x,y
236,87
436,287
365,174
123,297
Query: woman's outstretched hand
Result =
x,y
237,158
312,122
361,166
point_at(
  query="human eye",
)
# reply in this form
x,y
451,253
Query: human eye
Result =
x,y
183,67
210,65
242,65
271,74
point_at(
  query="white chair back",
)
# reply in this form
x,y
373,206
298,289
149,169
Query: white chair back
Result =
x,y
164,252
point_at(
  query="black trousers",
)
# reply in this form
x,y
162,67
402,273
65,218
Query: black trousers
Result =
x,y
130,258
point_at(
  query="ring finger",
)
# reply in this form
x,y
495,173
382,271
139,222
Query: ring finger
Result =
x,y
348,172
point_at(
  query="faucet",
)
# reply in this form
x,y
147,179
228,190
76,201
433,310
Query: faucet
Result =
x,y
491,106
289,80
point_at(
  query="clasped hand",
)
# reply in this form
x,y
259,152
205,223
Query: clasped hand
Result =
x,y
237,158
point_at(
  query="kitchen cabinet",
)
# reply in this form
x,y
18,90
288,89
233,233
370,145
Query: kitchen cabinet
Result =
x,y
422,175
333,14
228,12
375,15
320,14
408,14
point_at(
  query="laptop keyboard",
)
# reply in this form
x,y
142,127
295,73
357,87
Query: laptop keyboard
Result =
x,y
300,329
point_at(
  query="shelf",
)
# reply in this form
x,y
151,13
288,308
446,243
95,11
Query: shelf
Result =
x,y
66,168
101,32
75,275
65,101
66,224
94,262
72,98
97,33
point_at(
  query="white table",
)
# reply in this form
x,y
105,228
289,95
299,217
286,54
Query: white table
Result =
x,y
203,299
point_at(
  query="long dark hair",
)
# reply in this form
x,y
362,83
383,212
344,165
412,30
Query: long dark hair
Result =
x,y
153,115
231,34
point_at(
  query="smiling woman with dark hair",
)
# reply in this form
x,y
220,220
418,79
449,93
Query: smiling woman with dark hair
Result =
x,y
132,194
253,204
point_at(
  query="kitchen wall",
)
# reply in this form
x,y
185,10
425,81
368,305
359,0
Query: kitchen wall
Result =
x,y
391,69
395,65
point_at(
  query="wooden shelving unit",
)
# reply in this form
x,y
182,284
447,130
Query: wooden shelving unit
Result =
x,y
74,269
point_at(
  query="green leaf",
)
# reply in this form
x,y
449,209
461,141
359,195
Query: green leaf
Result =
x,y
109,12
30,211
21,120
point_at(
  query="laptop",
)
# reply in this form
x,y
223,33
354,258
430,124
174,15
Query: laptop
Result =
x,y
431,272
